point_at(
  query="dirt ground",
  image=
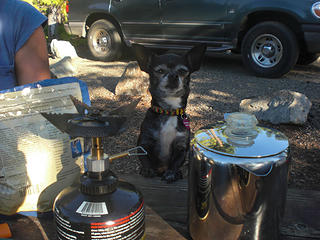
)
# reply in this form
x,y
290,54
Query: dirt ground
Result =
x,y
217,88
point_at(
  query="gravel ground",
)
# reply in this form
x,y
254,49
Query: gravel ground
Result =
x,y
217,88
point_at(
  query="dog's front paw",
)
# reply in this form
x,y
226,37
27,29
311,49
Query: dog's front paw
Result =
x,y
147,172
171,176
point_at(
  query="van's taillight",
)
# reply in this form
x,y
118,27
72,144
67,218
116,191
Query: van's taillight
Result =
x,y
67,6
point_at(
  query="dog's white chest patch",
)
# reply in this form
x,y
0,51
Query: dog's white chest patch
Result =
x,y
174,102
168,133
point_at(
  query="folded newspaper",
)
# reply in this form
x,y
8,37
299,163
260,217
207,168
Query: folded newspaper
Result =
x,y
37,161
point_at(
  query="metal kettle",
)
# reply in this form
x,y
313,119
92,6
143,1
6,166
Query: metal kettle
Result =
x,y
237,180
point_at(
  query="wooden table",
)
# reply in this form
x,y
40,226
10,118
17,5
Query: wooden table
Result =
x,y
166,214
301,220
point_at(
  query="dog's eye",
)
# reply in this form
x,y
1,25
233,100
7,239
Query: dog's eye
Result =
x,y
159,71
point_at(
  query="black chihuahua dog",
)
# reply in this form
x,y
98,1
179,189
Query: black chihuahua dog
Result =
x,y
165,131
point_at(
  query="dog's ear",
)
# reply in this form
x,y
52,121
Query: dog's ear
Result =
x,y
195,56
143,56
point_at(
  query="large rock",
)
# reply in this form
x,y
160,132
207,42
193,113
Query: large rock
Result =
x,y
133,81
61,49
283,106
63,68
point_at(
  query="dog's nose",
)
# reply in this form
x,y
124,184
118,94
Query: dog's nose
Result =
x,y
173,81
174,77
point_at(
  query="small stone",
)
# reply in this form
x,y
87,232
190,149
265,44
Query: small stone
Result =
x,y
63,68
61,49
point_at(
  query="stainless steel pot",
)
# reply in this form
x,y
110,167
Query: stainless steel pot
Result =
x,y
237,182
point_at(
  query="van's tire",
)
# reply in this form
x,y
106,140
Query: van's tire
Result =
x,y
306,58
104,41
269,49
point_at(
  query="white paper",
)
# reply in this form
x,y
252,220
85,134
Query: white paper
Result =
x,y
35,157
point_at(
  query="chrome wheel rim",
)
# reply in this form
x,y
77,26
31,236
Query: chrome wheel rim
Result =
x,y
266,50
101,41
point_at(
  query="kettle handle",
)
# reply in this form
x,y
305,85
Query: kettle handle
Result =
x,y
258,170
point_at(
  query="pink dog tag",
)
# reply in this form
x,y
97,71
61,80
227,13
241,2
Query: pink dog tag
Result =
x,y
186,123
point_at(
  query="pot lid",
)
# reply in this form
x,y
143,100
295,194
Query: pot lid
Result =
x,y
241,137
261,142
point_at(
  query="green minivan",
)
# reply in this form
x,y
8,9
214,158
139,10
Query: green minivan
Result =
x,y
271,35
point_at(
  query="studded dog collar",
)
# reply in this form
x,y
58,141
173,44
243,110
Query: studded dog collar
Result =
x,y
174,112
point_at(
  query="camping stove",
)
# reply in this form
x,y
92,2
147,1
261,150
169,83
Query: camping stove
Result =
x,y
100,206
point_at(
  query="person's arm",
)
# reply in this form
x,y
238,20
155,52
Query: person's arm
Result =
x,y
31,60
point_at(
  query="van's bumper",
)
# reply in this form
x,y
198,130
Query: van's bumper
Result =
x,y
74,28
312,37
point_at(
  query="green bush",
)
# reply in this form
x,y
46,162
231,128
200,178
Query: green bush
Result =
x,y
45,6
